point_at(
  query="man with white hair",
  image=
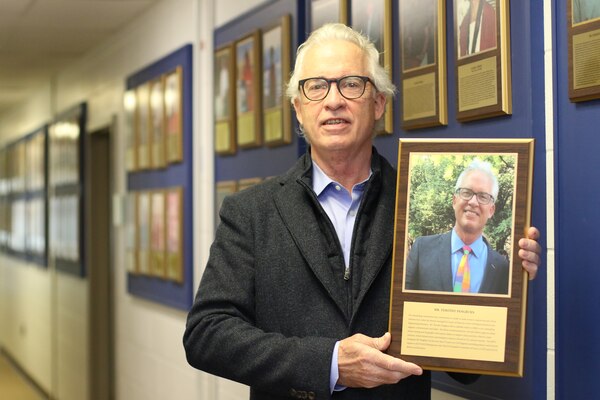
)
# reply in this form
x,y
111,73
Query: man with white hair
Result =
x,y
294,301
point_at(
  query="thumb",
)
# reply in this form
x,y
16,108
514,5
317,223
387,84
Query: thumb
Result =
x,y
383,342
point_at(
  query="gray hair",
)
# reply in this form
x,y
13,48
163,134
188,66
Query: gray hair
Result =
x,y
484,167
336,31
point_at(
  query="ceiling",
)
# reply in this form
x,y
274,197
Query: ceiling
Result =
x,y
40,37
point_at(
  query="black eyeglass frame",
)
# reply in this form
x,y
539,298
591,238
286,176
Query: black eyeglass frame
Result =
x,y
365,79
487,198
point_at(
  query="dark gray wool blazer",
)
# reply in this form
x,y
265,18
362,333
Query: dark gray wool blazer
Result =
x,y
273,300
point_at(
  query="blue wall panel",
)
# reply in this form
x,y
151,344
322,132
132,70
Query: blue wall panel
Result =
x,y
577,222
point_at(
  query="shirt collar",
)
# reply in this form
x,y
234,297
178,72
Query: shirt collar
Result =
x,y
320,180
457,244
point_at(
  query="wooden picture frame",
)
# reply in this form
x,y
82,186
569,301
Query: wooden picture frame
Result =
x,y
327,11
225,91
277,110
374,19
131,140
174,234
248,95
157,234
583,27
143,232
131,234
143,133
483,72
424,311
157,123
173,100
423,66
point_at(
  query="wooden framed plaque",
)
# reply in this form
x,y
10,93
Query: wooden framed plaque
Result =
x,y
174,232
173,104
423,38
459,292
483,73
277,111
374,19
224,88
583,26
248,96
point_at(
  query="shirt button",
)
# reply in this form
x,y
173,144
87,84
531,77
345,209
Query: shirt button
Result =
x,y
338,188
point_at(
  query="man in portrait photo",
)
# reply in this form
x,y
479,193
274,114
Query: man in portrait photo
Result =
x,y
462,260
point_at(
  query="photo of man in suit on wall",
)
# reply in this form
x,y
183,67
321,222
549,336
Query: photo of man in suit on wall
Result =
x,y
460,240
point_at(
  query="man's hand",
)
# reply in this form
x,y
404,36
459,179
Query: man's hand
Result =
x,y
530,251
362,363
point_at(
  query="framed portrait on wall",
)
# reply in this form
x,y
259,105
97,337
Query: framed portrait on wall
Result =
x,y
248,91
224,91
131,237
173,99
423,77
130,126
174,231
157,234
482,53
143,232
325,11
454,273
374,19
157,123
583,27
277,118
142,104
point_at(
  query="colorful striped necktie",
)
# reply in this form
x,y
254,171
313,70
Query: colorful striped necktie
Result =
x,y
462,283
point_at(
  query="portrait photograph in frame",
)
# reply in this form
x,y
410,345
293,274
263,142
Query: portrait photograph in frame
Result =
x,y
277,110
142,105
583,27
157,234
423,69
248,91
131,237
174,232
327,11
486,309
143,232
224,90
374,19
482,55
157,123
129,112
173,99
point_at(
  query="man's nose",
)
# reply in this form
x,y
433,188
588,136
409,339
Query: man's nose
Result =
x,y
334,98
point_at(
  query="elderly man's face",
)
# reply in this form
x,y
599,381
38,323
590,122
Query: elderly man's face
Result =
x,y
471,216
336,123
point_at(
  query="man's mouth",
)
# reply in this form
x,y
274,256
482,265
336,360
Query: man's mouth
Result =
x,y
471,212
335,121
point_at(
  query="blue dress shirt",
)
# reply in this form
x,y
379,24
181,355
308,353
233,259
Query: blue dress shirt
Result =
x,y
341,208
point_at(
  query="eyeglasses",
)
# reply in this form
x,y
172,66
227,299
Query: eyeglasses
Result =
x,y
351,87
482,197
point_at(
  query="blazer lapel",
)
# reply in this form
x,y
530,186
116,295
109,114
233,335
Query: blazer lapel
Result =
x,y
444,262
299,214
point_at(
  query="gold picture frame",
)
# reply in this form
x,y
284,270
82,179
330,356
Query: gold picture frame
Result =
x,y
142,220
424,310
142,126
174,234
157,234
423,66
224,90
374,19
131,139
157,123
173,101
277,111
483,72
583,27
248,97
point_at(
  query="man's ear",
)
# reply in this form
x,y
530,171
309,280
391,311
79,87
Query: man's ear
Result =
x,y
297,109
380,101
